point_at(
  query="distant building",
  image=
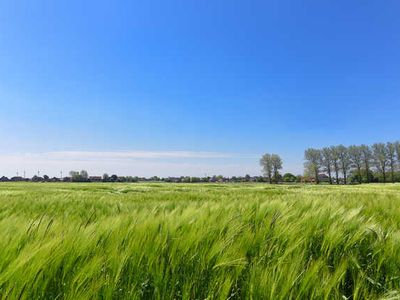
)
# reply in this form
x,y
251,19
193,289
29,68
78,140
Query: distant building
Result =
x,y
323,177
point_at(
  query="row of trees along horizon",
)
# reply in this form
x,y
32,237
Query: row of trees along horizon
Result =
x,y
379,162
83,176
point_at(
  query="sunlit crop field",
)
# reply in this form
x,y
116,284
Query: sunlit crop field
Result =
x,y
199,241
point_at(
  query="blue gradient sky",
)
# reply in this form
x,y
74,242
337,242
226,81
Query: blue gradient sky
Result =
x,y
231,78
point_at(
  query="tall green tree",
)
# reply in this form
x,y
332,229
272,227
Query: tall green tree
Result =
x,y
335,162
367,159
266,164
391,154
355,155
313,162
84,175
327,161
79,176
397,145
380,158
276,162
344,161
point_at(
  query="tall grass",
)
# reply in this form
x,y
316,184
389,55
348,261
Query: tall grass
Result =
x,y
156,241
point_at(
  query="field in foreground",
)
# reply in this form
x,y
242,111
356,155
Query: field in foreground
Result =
x,y
165,241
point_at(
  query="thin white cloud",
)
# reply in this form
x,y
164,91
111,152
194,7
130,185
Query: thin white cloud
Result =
x,y
123,155
140,163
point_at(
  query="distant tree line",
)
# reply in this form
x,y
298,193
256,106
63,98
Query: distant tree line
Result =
x,y
83,176
379,162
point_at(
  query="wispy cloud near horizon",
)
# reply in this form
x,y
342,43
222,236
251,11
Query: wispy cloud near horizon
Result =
x,y
123,155
135,162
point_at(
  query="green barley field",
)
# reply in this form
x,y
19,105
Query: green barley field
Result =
x,y
199,241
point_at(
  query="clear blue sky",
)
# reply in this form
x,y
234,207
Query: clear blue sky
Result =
x,y
235,78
